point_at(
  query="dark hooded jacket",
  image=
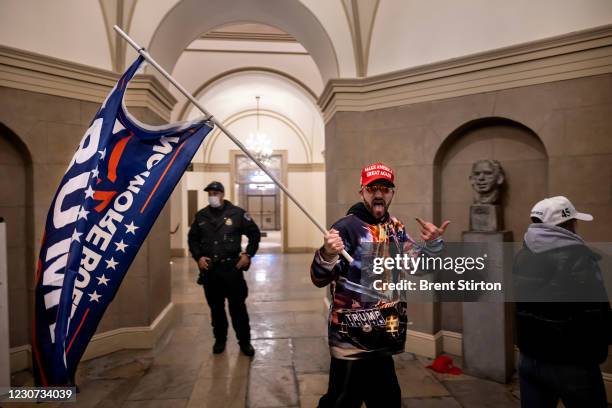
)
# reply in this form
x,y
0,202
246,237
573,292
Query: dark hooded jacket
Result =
x,y
364,322
562,312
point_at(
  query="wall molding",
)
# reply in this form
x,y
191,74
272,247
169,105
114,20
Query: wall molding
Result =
x,y
245,51
291,167
306,167
211,167
573,55
432,345
34,72
247,36
140,337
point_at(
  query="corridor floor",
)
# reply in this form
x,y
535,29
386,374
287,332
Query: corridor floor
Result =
x,y
288,322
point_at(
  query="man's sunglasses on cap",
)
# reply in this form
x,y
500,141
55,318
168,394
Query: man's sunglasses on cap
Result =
x,y
378,187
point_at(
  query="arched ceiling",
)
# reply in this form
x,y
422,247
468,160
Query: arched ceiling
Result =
x,y
235,95
237,92
413,32
239,47
346,38
189,19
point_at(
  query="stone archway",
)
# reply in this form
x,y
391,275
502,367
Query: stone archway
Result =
x,y
525,161
190,18
16,207
521,153
200,90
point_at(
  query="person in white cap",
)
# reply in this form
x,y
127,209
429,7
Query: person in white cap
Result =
x,y
563,318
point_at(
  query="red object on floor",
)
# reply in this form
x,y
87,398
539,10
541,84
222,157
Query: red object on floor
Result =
x,y
444,364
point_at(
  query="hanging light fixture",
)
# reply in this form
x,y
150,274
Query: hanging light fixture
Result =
x,y
258,142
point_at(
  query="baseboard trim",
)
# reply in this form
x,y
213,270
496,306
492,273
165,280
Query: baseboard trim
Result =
x,y
432,345
142,337
452,342
423,344
20,358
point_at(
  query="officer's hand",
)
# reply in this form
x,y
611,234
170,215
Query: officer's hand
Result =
x,y
243,262
332,244
203,263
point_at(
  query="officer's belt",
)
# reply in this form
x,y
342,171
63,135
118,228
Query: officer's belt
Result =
x,y
224,260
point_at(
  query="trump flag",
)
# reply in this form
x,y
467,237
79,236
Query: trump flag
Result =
x,y
116,184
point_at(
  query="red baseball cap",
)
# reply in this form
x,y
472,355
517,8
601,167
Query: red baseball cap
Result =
x,y
444,364
376,171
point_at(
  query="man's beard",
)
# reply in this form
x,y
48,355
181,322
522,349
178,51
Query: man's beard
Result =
x,y
378,208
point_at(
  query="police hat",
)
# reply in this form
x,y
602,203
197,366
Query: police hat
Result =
x,y
215,186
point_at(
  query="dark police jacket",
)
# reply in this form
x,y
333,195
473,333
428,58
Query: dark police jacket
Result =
x,y
216,233
554,323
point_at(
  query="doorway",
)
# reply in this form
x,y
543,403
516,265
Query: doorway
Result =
x,y
17,213
261,198
192,204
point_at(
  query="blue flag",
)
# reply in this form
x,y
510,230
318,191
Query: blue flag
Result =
x,y
113,190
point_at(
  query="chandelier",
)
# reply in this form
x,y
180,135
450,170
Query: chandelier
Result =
x,y
259,144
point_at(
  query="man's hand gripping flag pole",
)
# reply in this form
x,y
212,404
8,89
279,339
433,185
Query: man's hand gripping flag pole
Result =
x,y
221,127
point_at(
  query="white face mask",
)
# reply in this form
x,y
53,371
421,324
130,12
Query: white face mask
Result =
x,y
214,201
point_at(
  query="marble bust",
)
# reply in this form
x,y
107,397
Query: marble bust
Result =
x,y
487,177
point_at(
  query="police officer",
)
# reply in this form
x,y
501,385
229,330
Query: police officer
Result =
x,y
214,243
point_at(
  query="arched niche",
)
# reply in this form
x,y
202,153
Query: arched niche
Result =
x,y
525,162
16,207
188,19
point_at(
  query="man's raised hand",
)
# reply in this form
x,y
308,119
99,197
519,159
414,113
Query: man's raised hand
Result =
x,y
429,231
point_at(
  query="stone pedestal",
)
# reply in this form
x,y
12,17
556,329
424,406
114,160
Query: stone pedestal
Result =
x,y
485,217
488,347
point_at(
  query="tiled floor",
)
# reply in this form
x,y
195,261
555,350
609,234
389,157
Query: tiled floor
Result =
x,y
290,366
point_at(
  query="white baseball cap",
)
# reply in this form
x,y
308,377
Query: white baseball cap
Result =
x,y
557,210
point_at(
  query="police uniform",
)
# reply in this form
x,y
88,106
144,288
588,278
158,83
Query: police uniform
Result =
x,y
216,233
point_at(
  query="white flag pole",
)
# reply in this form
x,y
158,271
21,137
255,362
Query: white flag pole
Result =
x,y
212,119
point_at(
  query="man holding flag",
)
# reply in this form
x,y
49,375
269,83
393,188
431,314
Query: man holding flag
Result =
x,y
367,327
113,190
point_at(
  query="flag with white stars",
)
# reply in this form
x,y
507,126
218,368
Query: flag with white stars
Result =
x,y
116,184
